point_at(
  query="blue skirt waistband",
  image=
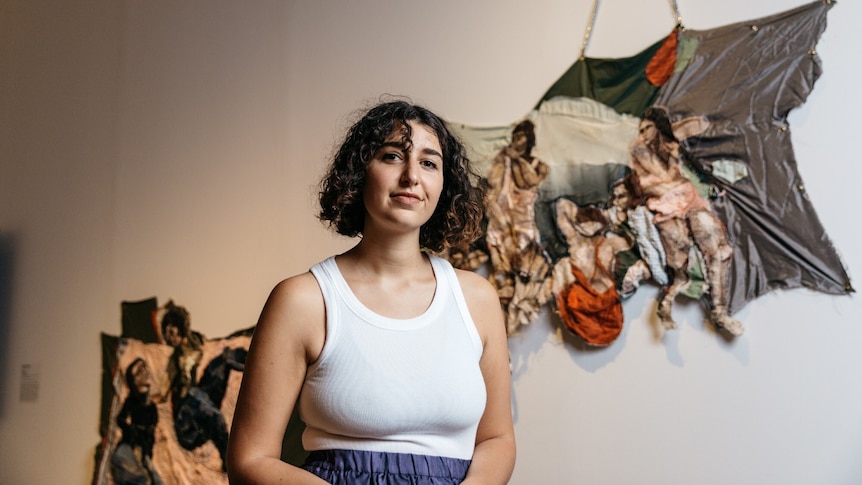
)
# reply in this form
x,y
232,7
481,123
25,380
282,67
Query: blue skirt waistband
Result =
x,y
352,467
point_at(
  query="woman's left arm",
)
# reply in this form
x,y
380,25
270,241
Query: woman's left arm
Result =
x,y
494,455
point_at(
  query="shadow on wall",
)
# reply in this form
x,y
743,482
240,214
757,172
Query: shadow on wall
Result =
x,y
7,252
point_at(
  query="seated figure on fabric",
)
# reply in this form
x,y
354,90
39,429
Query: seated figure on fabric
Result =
x,y
629,219
132,460
684,218
587,298
519,264
196,403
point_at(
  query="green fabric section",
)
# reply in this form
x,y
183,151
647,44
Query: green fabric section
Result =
x,y
624,260
698,285
618,83
695,179
685,50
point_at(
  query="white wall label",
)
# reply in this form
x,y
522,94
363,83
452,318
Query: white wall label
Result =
x,y
30,382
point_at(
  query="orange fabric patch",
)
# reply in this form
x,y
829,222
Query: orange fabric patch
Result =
x,y
662,64
595,317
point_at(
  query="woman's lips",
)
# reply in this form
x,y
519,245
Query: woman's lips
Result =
x,y
406,197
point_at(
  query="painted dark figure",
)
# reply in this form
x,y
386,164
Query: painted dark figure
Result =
x,y
197,403
132,460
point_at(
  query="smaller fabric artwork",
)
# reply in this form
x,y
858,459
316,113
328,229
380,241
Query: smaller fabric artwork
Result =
x,y
168,398
171,406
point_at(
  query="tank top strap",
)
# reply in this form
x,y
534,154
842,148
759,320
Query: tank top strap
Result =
x,y
327,276
446,273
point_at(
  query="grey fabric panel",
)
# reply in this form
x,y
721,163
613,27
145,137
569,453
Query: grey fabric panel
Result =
x,y
745,78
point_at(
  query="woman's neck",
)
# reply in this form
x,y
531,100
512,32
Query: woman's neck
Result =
x,y
390,280
386,256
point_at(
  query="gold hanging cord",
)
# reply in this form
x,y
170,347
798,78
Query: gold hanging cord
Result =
x,y
592,23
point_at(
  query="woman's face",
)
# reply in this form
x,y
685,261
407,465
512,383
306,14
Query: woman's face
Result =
x,y
403,183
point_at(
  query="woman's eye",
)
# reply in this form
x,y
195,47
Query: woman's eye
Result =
x,y
429,164
391,156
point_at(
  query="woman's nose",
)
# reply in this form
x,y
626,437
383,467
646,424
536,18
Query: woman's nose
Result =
x,y
410,175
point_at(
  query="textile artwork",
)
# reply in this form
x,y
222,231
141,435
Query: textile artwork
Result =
x,y
167,408
674,166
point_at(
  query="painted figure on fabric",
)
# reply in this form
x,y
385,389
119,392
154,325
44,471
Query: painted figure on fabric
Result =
x,y
587,298
132,460
630,219
197,403
519,264
683,217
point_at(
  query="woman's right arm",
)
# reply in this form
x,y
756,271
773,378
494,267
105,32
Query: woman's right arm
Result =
x,y
289,335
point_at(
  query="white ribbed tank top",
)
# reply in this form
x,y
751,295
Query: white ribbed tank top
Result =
x,y
395,385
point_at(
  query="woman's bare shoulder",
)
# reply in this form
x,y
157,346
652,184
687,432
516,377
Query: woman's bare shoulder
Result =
x,y
482,300
297,289
295,308
299,293
475,285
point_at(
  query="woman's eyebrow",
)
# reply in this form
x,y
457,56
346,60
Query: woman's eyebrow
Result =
x,y
393,144
409,147
431,151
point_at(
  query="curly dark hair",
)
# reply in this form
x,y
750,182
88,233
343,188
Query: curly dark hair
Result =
x,y
457,218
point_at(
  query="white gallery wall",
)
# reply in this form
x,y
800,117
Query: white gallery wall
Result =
x,y
171,149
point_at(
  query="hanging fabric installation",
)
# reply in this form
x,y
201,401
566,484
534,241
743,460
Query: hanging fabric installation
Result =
x,y
673,166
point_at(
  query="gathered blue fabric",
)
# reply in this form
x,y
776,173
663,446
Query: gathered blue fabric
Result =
x,y
351,467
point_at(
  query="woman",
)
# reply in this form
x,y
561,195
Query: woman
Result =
x,y
398,363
